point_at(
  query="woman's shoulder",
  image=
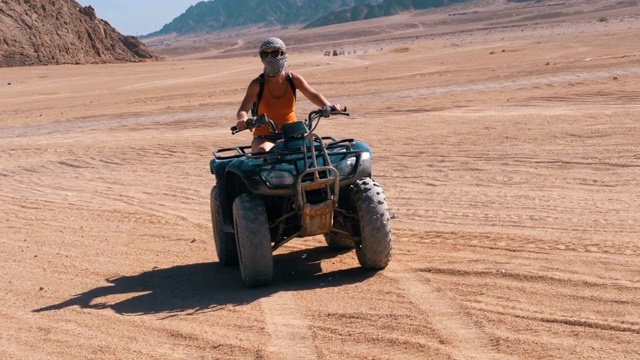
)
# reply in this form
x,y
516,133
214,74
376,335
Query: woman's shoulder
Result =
x,y
256,80
294,75
297,79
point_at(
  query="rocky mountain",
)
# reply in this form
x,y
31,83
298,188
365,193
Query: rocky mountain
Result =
x,y
371,11
211,16
215,15
47,32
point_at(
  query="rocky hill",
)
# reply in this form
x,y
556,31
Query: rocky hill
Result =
x,y
47,32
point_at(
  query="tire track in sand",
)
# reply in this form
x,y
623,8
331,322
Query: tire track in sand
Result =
x,y
464,339
291,336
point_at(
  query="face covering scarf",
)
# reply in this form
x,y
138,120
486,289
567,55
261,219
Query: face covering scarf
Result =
x,y
274,66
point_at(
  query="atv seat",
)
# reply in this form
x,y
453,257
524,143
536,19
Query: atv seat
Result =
x,y
295,129
293,135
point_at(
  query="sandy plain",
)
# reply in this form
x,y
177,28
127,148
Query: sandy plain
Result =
x,y
510,159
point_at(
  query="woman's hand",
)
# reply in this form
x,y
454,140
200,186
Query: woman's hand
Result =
x,y
337,107
241,124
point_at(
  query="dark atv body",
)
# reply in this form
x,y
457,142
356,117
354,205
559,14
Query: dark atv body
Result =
x,y
305,185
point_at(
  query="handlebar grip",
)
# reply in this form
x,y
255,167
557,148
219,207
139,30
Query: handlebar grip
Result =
x,y
333,110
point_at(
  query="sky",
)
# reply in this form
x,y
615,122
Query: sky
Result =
x,y
138,17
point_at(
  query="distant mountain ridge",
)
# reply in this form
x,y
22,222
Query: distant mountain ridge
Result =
x,y
210,16
372,11
216,15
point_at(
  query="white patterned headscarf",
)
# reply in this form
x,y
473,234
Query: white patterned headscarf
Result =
x,y
274,66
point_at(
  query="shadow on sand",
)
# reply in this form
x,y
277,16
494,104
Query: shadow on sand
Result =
x,y
210,286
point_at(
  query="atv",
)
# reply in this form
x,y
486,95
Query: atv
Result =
x,y
305,185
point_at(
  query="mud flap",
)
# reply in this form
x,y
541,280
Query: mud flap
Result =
x,y
317,218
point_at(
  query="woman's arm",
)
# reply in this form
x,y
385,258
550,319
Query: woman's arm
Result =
x,y
249,98
309,92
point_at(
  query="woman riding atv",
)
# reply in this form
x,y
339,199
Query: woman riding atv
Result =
x,y
279,99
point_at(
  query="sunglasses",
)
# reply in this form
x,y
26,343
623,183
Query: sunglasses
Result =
x,y
273,54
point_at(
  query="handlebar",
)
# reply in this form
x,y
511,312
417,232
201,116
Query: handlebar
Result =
x,y
252,123
257,121
328,111
320,113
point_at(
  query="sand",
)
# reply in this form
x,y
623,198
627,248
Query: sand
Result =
x,y
509,157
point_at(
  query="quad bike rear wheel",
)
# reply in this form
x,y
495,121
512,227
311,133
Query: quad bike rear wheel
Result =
x,y
374,249
253,240
225,242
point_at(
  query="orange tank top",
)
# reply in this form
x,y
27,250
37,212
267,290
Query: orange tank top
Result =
x,y
280,110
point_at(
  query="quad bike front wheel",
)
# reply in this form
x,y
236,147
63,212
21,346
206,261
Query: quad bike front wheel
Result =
x,y
225,242
253,240
374,248
337,241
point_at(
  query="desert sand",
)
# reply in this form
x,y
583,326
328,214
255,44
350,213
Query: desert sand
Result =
x,y
509,156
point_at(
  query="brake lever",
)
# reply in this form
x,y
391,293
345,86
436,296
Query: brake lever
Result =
x,y
325,111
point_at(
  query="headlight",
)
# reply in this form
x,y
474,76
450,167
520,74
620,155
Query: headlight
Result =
x,y
346,167
277,178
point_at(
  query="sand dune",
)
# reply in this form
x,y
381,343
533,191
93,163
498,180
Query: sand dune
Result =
x,y
510,161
